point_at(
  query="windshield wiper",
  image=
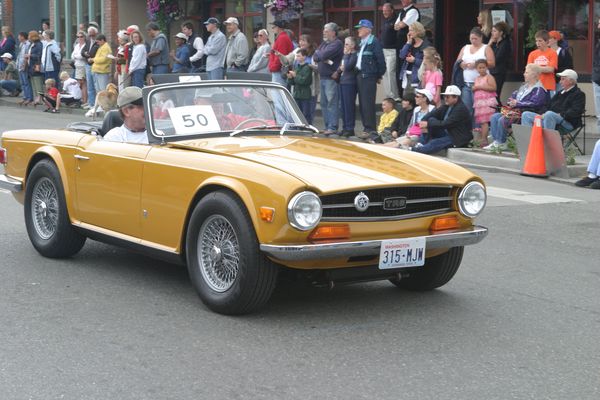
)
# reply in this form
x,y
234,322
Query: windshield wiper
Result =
x,y
238,131
304,127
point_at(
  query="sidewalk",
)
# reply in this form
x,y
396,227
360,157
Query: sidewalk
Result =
x,y
471,158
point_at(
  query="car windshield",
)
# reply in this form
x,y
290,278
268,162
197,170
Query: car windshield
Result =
x,y
208,109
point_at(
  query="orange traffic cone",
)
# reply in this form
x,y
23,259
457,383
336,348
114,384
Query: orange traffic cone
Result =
x,y
535,162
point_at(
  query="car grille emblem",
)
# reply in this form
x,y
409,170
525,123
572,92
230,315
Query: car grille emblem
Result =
x,y
394,203
361,202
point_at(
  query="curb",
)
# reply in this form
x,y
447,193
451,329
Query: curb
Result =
x,y
63,110
506,164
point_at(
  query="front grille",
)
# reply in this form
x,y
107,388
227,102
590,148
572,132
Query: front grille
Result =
x,y
420,201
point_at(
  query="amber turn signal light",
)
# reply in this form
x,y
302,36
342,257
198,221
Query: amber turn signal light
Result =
x,y
267,214
330,232
444,223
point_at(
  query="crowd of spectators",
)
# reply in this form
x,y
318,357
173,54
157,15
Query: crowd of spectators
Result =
x,y
418,113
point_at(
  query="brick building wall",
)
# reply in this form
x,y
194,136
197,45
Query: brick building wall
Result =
x,y
7,13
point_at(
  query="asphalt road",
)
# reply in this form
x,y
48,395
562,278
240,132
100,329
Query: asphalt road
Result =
x,y
520,320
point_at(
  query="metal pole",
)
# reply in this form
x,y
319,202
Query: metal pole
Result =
x,y
68,24
79,11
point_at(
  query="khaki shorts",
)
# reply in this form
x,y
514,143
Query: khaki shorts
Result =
x,y
79,73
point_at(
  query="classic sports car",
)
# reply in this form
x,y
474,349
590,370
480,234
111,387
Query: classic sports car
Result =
x,y
237,186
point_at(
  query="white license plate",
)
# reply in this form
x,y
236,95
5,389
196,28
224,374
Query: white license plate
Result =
x,y
401,253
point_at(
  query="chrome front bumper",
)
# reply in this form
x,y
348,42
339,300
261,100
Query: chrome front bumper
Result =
x,y
11,184
439,240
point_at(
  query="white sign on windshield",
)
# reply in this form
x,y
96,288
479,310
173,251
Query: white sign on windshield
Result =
x,y
190,78
194,119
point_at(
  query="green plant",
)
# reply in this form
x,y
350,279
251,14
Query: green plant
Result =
x,y
511,145
537,10
570,154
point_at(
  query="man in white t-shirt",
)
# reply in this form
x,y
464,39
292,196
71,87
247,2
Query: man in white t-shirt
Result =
x,y
131,109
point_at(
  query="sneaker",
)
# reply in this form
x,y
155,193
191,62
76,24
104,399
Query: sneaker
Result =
x,y
86,106
495,146
587,181
595,184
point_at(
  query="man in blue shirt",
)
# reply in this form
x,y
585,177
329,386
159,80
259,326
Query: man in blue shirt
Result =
x,y
371,67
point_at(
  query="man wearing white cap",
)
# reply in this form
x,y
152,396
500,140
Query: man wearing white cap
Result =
x,y
236,53
131,109
565,107
181,56
448,125
10,77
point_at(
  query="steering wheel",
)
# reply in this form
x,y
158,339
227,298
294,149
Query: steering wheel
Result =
x,y
259,120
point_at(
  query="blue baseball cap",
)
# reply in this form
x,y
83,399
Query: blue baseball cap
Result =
x,y
211,20
364,23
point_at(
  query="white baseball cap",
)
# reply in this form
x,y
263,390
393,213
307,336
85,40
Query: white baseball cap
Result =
x,y
181,35
452,90
6,55
567,73
426,93
232,20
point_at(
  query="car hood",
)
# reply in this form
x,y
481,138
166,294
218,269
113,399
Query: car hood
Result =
x,y
331,165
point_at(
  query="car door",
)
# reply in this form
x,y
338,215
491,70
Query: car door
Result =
x,y
108,184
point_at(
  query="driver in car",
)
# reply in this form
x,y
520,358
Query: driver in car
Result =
x,y
131,109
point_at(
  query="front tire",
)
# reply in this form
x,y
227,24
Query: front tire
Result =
x,y
225,265
436,272
46,215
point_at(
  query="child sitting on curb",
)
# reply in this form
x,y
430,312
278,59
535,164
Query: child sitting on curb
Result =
x,y
50,98
384,132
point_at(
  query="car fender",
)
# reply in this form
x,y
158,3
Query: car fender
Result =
x,y
67,180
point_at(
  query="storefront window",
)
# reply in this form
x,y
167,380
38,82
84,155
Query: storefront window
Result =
x,y
572,20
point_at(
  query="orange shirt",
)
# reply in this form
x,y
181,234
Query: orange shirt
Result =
x,y
547,58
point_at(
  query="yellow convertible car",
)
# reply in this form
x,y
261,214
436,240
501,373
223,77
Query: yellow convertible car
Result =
x,y
237,186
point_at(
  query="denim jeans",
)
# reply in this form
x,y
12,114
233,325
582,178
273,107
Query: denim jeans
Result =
x,y
137,77
9,85
497,128
330,103
435,145
594,165
216,74
101,81
467,98
348,106
550,120
277,78
305,108
160,69
596,88
26,86
91,85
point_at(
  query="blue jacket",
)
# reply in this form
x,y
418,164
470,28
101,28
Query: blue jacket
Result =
x,y
348,76
35,58
372,63
417,53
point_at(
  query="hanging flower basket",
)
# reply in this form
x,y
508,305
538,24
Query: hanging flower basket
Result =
x,y
163,12
285,9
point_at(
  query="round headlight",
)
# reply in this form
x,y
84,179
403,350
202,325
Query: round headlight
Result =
x,y
304,211
471,199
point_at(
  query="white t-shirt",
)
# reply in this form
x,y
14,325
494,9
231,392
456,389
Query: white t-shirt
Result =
x,y
410,17
123,134
72,88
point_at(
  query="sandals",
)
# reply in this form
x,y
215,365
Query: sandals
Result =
x,y
55,111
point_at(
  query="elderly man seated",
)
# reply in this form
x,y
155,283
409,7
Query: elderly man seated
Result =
x,y
565,107
447,126
131,109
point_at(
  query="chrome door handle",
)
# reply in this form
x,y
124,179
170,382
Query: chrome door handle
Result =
x,y
77,156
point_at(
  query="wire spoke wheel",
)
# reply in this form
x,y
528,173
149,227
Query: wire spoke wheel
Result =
x,y
218,253
44,208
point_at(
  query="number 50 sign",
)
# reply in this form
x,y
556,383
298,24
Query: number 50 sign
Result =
x,y
194,119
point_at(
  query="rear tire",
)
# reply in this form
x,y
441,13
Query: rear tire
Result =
x,y
436,272
225,265
46,215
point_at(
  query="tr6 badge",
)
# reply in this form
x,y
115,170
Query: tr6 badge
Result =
x,y
394,203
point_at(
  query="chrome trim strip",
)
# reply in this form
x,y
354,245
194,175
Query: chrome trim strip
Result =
x,y
380,203
388,218
11,184
439,240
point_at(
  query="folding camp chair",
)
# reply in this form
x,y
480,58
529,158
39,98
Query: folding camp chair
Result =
x,y
569,136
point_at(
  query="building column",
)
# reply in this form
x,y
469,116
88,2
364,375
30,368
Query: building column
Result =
x,y
91,11
68,33
55,26
79,12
